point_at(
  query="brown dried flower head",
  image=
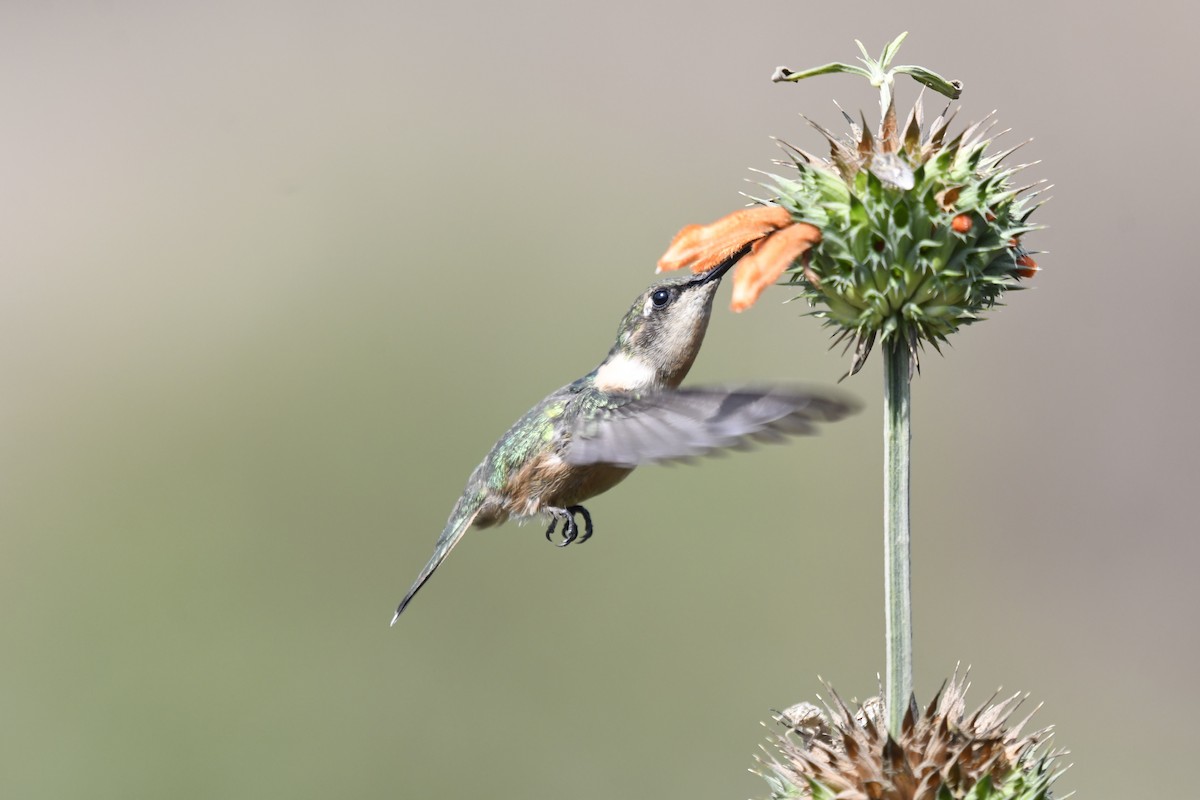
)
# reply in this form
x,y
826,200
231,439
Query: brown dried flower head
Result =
x,y
943,752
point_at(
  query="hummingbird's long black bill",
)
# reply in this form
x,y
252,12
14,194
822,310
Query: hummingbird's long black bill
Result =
x,y
718,272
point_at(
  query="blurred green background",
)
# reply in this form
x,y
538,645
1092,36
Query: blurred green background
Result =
x,y
275,278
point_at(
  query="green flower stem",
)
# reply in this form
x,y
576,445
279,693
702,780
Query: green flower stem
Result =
x,y
897,373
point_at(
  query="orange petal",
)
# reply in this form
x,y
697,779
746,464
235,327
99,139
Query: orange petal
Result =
x,y
770,257
961,223
703,247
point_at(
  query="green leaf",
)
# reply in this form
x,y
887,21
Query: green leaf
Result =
x,y
866,57
890,49
784,74
951,89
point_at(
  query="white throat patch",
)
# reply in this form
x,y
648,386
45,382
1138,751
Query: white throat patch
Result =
x,y
623,374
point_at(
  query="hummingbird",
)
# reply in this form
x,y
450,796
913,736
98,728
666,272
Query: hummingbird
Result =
x,y
586,437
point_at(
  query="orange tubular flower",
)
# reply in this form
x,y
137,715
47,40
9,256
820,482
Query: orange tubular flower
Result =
x,y
776,242
767,261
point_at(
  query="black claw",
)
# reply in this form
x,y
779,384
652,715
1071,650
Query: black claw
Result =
x,y
570,530
587,521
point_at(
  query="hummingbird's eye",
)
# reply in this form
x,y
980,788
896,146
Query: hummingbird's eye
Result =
x,y
660,298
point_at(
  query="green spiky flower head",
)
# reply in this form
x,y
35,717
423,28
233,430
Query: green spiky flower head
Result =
x,y
921,231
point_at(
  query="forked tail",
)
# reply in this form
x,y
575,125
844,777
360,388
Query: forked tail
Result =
x,y
464,514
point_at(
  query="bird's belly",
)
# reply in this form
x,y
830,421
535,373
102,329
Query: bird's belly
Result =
x,y
590,481
552,482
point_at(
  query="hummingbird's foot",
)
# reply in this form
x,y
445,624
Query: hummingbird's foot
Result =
x,y
587,522
570,531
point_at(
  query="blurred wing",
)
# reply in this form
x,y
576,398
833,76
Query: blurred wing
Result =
x,y
685,423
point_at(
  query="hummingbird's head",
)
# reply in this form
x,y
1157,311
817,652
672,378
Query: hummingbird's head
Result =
x,y
659,338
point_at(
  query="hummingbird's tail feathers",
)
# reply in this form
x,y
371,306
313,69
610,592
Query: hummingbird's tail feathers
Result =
x,y
681,424
464,514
